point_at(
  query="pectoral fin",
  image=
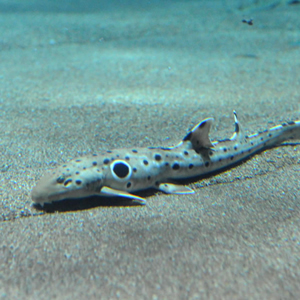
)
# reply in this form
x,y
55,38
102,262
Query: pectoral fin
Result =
x,y
170,188
107,191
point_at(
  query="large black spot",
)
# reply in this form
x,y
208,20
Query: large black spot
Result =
x,y
121,170
175,166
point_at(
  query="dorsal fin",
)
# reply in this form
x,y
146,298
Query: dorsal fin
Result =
x,y
237,131
198,136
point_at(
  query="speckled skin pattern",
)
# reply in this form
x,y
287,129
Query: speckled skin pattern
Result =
x,y
120,172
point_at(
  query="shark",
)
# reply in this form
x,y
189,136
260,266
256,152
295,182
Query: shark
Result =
x,y
123,172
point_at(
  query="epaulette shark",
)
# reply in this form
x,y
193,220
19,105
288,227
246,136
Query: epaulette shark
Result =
x,y
121,172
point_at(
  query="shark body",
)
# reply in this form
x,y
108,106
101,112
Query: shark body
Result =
x,y
121,172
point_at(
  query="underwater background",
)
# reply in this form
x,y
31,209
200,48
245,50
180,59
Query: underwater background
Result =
x,y
77,77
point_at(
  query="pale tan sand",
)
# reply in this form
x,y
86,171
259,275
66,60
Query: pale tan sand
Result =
x,y
73,83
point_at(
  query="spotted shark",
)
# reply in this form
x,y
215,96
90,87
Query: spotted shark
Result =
x,y
121,172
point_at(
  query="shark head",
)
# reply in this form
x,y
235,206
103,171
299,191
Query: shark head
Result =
x,y
62,184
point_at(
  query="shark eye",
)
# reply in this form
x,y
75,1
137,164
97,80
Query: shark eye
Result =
x,y
121,170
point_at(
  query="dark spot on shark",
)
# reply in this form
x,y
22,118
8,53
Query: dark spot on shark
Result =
x,y
78,182
167,164
270,134
235,148
106,161
78,160
60,179
145,162
134,170
291,123
186,153
68,170
94,163
261,138
211,153
225,149
206,164
95,154
108,151
231,157
191,166
64,166
77,173
175,166
121,169
127,157
67,182
157,157
128,185
149,177
84,168
134,151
